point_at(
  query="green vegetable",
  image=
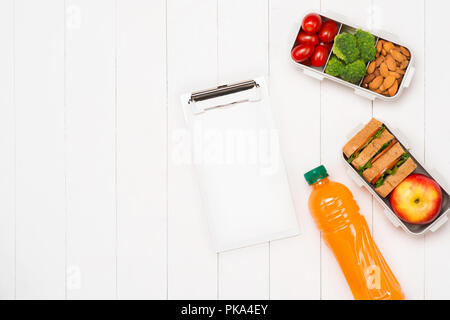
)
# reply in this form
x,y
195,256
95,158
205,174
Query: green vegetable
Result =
x,y
383,147
352,157
366,45
394,169
368,164
345,47
357,152
351,55
334,66
354,71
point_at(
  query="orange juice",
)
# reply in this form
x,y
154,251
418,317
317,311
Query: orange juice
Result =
x,y
347,234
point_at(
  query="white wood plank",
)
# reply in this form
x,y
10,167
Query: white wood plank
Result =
x,y
242,39
342,110
244,273
405,254
7,147
295,262
91,152
437,255
192,64
141,149
242,55
39,99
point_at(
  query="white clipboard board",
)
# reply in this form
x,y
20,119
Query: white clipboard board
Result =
x,y
240,171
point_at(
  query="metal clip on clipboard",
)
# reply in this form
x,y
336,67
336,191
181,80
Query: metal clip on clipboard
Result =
x,y
242,179
225,95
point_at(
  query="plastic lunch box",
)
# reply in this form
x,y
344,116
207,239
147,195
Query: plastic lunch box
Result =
x,y
344,26
409,228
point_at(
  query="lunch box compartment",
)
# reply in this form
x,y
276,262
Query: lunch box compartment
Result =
x,y
319,73
322,68
408,227
346,28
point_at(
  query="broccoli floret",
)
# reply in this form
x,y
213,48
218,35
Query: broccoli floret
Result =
x,y
366,45
354,72
345,47
335,66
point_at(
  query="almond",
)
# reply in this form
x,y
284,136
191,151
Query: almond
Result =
x,y
381,91
384,70
379,60
396,75
393,89
405,52
376,83
397,55
383,52
371,67
388,46
404,64
388,82
400,71
377,72
368,78
380,46
390,62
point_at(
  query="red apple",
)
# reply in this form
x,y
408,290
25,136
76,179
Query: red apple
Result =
x,y
417,200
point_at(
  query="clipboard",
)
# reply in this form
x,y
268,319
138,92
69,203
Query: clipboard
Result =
x,y
240,171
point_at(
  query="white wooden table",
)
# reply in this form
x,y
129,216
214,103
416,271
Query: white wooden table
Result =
x,y
92,204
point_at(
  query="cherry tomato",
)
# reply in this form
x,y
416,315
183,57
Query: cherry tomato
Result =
x,y
328,45
328,31
311,23
307,62
320,56
304,37
302,52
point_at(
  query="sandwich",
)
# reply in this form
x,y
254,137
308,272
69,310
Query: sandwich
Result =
x,y
393,177
379,157
361,138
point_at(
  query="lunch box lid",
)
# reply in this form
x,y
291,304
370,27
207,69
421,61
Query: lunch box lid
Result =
x,y
316,73
416,230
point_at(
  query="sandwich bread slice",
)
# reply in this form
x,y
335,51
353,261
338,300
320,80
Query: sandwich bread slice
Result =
x,y
373,150
385,162
362,138
393,180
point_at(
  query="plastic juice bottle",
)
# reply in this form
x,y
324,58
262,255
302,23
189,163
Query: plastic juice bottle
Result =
x,y
347,234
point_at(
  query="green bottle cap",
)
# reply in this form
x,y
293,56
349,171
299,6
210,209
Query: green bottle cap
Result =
x,y
315,175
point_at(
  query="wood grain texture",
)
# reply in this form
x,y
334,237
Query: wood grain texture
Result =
x,y
141,150
40,179
91,149
437,253
7,149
